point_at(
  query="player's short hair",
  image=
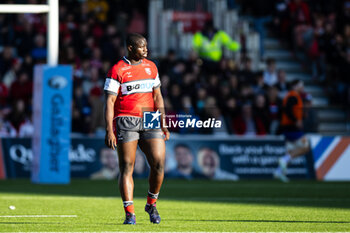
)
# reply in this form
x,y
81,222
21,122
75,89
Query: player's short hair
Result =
x,y
132,38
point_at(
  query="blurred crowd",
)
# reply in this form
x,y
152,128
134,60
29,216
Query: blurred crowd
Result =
x,y
247,101
318,31
91,40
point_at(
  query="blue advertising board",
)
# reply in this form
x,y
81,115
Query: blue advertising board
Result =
x,y
186,158
231,159
52,123
89,158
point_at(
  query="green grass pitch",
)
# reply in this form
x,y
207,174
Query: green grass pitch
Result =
x,y
95,206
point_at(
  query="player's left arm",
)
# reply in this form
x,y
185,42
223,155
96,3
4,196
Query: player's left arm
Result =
x,y
159,104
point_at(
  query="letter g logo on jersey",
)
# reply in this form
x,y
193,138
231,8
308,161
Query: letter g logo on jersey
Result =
x,y
132,87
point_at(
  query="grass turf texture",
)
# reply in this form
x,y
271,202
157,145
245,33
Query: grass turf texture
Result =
x,y
184,206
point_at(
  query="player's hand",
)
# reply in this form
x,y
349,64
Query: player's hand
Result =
x,y
110,140
166,134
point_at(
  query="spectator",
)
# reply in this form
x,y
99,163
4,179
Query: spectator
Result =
x,y
187,109
300,12
246,93
24,38
208,44
187,83
6,60
260,86
213,85
99,8
200,99
167,64
165,81
6,129
21,88
19,123
282,84
10,76
230,112
225,94
247,124
175,97
270,74
233,84
4,93
81,111
275,107
39,52
247,75
261,111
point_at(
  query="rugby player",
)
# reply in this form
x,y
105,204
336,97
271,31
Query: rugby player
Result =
x,y
133,86
292,128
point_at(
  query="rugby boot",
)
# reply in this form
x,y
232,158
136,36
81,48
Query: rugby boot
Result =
x,y
153,213
130,219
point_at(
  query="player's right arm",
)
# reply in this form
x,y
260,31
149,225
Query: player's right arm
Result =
x,y
111,89
110,139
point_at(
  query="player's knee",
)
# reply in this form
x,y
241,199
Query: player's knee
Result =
x,y
158,167
126,167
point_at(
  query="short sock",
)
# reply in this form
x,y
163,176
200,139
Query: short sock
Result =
x,y
152,198
129,206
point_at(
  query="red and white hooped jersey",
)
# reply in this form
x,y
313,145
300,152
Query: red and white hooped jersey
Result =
x,y
133,85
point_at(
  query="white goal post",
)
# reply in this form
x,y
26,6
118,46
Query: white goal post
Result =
x,y
52,25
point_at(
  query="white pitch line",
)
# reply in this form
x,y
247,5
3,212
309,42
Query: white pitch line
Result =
x,y
38,216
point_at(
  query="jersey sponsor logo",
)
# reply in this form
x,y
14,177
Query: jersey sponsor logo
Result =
x,y
139,86
148,71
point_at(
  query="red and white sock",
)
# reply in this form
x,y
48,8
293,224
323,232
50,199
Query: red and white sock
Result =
x,y
129,207
152,198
